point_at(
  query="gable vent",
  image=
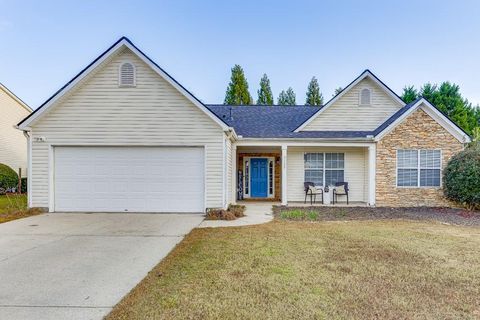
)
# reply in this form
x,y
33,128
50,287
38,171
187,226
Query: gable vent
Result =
x,y
126,76
365,97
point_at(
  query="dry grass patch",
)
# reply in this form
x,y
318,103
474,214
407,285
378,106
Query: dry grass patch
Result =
x,y
324,270
13,206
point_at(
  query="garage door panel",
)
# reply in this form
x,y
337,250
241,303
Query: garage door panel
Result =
x,y
142,179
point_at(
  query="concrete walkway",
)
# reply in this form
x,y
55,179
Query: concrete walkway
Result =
x,y
255,213
78,266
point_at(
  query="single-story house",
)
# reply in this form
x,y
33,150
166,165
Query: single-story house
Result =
x,y
123,135
13,143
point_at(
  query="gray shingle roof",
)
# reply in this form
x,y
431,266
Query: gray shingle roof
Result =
x,y
275,122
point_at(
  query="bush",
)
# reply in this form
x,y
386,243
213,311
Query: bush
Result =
x,y
8,178
24,185
233,212
237,209
462,178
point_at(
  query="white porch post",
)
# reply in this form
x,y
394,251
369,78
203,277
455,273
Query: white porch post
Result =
x,y
234,174
284,175
372,159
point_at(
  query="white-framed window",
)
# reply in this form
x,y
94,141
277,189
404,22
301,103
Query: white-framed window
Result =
x,y
365,98
419,168
127,75
324,169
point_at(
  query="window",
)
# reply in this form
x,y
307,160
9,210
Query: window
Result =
x,y
270,177
324,169
365,97
126,77
418,168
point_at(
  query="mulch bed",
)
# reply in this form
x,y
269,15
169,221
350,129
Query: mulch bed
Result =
x,y
444,215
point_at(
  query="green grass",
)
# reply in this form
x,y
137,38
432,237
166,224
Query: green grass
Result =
x,y
393,269
14,206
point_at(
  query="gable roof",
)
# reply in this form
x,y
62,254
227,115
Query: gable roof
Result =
x,y
365,74
431,110
254,121
119,44
14,97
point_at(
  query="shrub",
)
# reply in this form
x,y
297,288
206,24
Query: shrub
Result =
x,y
24,185
220,214
312,215
296,214
8,178
237,209
462,178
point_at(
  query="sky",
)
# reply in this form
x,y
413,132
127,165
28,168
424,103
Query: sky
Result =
x,y
45,43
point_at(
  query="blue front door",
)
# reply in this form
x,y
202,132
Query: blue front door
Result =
x,y
258,178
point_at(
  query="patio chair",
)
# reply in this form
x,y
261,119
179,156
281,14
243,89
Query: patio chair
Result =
x,y
341,189
312,191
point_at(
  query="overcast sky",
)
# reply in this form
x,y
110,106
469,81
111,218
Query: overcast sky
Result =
x,y
45,43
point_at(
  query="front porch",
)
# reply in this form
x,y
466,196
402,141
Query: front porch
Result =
x,y
274,172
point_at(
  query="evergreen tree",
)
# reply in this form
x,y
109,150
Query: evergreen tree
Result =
x,y
314,96
337,91
265,96
237,91
409,94
448,99
287,98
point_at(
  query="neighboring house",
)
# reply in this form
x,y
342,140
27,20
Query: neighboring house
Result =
x,y
13,143
123,135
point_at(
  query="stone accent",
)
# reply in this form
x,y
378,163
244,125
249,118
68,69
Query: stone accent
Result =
x,y
278,170
417,131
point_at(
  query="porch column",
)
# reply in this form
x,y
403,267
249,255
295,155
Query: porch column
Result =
x,y
284,175
234,174
372,159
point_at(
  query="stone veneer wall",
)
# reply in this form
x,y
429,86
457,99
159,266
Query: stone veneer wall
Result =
x,y
417,131
278,170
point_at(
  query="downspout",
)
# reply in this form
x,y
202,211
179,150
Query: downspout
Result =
x,y
29,167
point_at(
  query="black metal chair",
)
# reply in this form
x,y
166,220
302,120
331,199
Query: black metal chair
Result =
x,y
336,193
312,191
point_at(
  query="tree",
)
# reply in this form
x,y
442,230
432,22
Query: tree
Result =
x,y
287,98
265,96
314,96
448,99
237,90
409,94
337,91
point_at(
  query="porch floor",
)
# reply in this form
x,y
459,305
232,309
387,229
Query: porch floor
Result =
x,y
319,204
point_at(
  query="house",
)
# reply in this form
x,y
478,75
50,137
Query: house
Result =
x,y
123,135
13,143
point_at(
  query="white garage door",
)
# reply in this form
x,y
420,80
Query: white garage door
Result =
x,y
129,179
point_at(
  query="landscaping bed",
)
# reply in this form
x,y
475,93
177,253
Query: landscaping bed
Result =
x,y
444,215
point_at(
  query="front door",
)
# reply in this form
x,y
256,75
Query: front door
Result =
x,y
258,180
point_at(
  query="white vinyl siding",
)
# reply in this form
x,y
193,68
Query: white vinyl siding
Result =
x,y
13,144
347,114
355,171
419,168
100,113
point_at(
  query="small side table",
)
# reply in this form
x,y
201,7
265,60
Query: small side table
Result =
x,y
326,196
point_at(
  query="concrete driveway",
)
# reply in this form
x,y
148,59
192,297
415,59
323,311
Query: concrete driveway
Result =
x,y
78,266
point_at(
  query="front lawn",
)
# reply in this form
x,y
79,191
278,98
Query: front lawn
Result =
x,y
381,269
14,206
